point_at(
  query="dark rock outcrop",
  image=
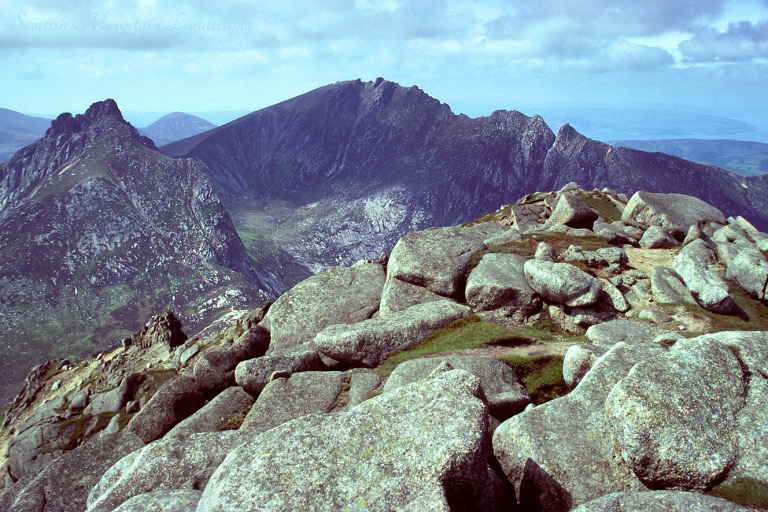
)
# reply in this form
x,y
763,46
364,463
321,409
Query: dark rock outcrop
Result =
x,y
160,329
175,401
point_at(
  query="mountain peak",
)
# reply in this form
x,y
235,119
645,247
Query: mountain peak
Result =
x,y
102,109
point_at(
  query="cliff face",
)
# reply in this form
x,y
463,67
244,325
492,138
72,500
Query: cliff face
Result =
x,y
97,228
342,172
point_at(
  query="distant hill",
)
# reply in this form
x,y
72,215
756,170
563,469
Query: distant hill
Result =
x,y
175,126
742,157
18,130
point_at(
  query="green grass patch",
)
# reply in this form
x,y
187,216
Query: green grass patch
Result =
x,y
465,333
473,332
744,491
54,369
602,204
542,376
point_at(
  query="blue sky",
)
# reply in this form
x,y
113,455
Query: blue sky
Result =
x,y
701,56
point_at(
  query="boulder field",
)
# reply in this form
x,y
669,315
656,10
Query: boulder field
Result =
x,y
409,383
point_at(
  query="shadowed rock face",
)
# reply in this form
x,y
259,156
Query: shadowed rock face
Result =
x,y
97,229
363,163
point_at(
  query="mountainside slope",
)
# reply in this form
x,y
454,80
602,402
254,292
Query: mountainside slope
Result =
x,y
341,172
745,158
18,130
175,126
97,229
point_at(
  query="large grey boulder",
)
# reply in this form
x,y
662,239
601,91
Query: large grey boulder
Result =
x,y
63,485
730,233
418,447
579,359
435,258
750,270
115,399
176,463
572,212
622,331
214,371
561,454
702,251
709,290
659,501
30,449
499,282
253,374
399,295
162,501
668,288
506,395
613,255
336,296
673,416
656,237
176,400
562,283
285,399
750,431
369,342
674,212
217,414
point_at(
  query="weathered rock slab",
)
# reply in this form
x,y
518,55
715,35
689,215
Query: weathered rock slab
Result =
x,y
656,237
674,212
64,485
506,395
285,399
668,288
622,331
177,463
435,258
399,295
499,281
562,283
253,374
418,447
560,454
163,501
672,416
214,371
216,414
336,296
369,342
750,270
709,290
176,400
659,501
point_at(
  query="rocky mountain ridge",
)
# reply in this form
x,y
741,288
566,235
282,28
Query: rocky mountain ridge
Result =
x,y
577,350
97,230
342,172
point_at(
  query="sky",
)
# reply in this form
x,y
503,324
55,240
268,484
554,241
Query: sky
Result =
x,y
594,60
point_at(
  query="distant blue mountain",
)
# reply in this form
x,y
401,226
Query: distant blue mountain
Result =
x,y
18,130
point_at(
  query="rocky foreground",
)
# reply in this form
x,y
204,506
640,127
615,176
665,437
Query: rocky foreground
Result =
x,y
410,383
